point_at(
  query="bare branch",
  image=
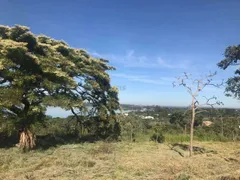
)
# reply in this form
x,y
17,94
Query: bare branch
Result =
x,y
196,103
217,85
208,103
173,83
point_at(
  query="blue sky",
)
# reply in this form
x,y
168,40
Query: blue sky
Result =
x,y
149,42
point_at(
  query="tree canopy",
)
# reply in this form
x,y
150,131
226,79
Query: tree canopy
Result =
x,y
38,71
232,58
178,118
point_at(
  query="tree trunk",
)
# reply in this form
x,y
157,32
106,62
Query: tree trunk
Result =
x,y
191,129
191,137
82,130
131,137
27,140
222,126
185,130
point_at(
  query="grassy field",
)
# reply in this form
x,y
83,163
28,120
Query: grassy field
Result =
x,y
122,160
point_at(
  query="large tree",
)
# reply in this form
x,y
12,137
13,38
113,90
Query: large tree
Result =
x,y
232,58
38,71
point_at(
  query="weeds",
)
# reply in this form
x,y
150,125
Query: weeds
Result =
x,y
104,148
183,177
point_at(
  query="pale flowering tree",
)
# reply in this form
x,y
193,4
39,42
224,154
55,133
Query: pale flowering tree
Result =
x,y
38,71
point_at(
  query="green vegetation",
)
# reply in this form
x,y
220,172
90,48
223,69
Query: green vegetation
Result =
x,y
37,72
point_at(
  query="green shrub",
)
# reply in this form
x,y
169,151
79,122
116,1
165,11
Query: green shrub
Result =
x,y
170,129
208,134
158,137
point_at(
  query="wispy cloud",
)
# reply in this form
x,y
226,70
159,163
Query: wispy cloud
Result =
x,y
164,63
173,65
131,59
144,79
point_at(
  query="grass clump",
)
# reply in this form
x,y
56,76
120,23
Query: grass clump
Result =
x,y
183,177
103,148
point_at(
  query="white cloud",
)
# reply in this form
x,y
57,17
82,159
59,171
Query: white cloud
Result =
x,y
131,59
173,65
164,63
95,54
145,79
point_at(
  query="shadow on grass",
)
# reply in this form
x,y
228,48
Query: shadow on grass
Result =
x,y
45,142
8,141
48,141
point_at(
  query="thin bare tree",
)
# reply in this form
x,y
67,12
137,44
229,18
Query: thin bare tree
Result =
x,y
194,88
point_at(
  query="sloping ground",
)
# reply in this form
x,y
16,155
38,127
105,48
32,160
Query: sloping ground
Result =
x,y
123,160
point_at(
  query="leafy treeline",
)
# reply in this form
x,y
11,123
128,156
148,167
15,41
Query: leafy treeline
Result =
x,y
176,125
38,71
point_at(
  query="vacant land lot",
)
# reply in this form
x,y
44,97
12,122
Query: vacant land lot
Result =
x,y
121,160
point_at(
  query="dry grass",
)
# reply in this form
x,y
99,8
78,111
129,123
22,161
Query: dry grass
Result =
x,y
126,161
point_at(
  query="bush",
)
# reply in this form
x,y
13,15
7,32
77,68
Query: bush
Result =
x,y
208,134
158,137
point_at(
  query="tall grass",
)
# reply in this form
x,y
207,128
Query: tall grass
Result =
x,y
176,138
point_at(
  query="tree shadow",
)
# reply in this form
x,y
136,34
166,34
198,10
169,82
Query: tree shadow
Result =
x,y
48,141
44,142
8,141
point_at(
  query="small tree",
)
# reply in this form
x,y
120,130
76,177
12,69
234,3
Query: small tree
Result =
x,y
221,113
194,88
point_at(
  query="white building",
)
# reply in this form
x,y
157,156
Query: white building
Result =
x,y
148,117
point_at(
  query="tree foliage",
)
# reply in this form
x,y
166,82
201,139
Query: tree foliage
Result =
x,y
198,120
38,71
178,118
232,58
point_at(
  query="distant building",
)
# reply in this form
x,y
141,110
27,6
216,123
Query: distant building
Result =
x,y
207,123
143,109
148,117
